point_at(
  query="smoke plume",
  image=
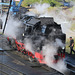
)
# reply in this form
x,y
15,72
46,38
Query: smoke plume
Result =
x,y
12,26
29,45
49,50
63,17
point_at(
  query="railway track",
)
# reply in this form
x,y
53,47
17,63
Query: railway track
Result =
x,y
3,73
18,66
6,70
17,61
21,59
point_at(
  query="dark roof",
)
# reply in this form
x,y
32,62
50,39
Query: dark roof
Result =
x,y
33,21
46,20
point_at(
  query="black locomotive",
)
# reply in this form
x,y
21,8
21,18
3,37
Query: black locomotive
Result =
x,y
39,31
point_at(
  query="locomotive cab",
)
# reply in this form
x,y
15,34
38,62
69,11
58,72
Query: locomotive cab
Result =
x,y
32,25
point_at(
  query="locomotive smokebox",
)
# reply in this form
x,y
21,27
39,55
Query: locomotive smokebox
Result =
x,y
1,23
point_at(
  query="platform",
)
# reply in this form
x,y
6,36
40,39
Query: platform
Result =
x,y
70,59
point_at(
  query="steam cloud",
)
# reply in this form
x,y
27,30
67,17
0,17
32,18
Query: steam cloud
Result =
x,y
29,45
60,16
12,26
49,50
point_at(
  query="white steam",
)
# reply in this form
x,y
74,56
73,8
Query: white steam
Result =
x,y
49,50
63,17
59,43
39,9
12,26
29,45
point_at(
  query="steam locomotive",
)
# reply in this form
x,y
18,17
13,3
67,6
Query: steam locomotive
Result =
x,y
38,32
